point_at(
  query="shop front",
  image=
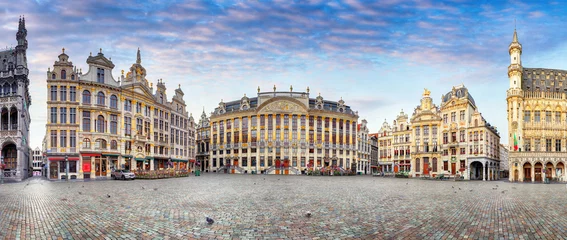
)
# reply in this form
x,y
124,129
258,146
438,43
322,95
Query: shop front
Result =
x,y
61,169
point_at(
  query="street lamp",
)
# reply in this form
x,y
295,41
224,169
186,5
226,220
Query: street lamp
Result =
x,y
2,168
66,168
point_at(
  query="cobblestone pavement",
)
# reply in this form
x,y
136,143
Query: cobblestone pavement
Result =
x,y
273,207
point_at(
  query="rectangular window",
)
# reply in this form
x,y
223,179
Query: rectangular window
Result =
x,y
548,116
462,115
53,138
100,75
72,115
453,117
536,116
86,121
63,93
537,145
548,145
63,138
53,93
527,144
63,115
127,126
73,94
558,145
527,116
557,117
445,118
113,124
53,115
72,138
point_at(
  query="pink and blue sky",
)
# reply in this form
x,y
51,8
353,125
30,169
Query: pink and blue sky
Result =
x,y
377,55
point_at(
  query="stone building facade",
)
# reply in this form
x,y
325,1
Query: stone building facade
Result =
x,y
283,132
97,123
537,120
203,142
15,101
364,148
452,140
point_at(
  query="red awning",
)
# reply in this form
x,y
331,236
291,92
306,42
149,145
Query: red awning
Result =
x,y
90,154
192,160
62,158
374,166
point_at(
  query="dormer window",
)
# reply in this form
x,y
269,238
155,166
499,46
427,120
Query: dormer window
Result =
x,y
63,74
53,76
100,75
73,77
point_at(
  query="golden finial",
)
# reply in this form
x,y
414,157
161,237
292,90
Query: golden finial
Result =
x,y
151,85
274,87
258,89
307,89
122,71
63,50
426,92
291,88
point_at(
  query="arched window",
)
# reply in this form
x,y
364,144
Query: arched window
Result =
x,y
100,124
101,143
113,145
14,88
113,101
100,98
6,89
63,74
53,76
86,97
86,143
73,77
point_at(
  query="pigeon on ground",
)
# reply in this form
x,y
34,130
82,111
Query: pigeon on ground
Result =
x,y
80,193
210,220
108,195
452,186
470,190
155,189
254,183
69,187
513,187
494,188
459,188
278,179
504,191
83,186
308,214
143,187
406,183
264,178
455,191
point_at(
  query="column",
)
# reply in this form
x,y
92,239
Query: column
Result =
x,y
483,171
533,171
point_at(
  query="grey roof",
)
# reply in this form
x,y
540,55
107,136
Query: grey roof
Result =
x,y
460,92
544,79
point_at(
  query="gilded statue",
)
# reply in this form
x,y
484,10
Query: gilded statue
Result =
x,y
426,92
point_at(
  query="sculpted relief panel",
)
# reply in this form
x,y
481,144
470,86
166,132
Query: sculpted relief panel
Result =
x,y
283,106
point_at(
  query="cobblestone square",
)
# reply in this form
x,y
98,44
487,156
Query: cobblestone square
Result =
x,y
273,207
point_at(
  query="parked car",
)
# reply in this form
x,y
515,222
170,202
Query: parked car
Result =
x,y
122,174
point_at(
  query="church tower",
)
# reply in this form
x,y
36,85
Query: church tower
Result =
x,y
515,95
515,68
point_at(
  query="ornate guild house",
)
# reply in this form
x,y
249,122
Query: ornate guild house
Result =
x,y
14,108
537,120
284,132
97,123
